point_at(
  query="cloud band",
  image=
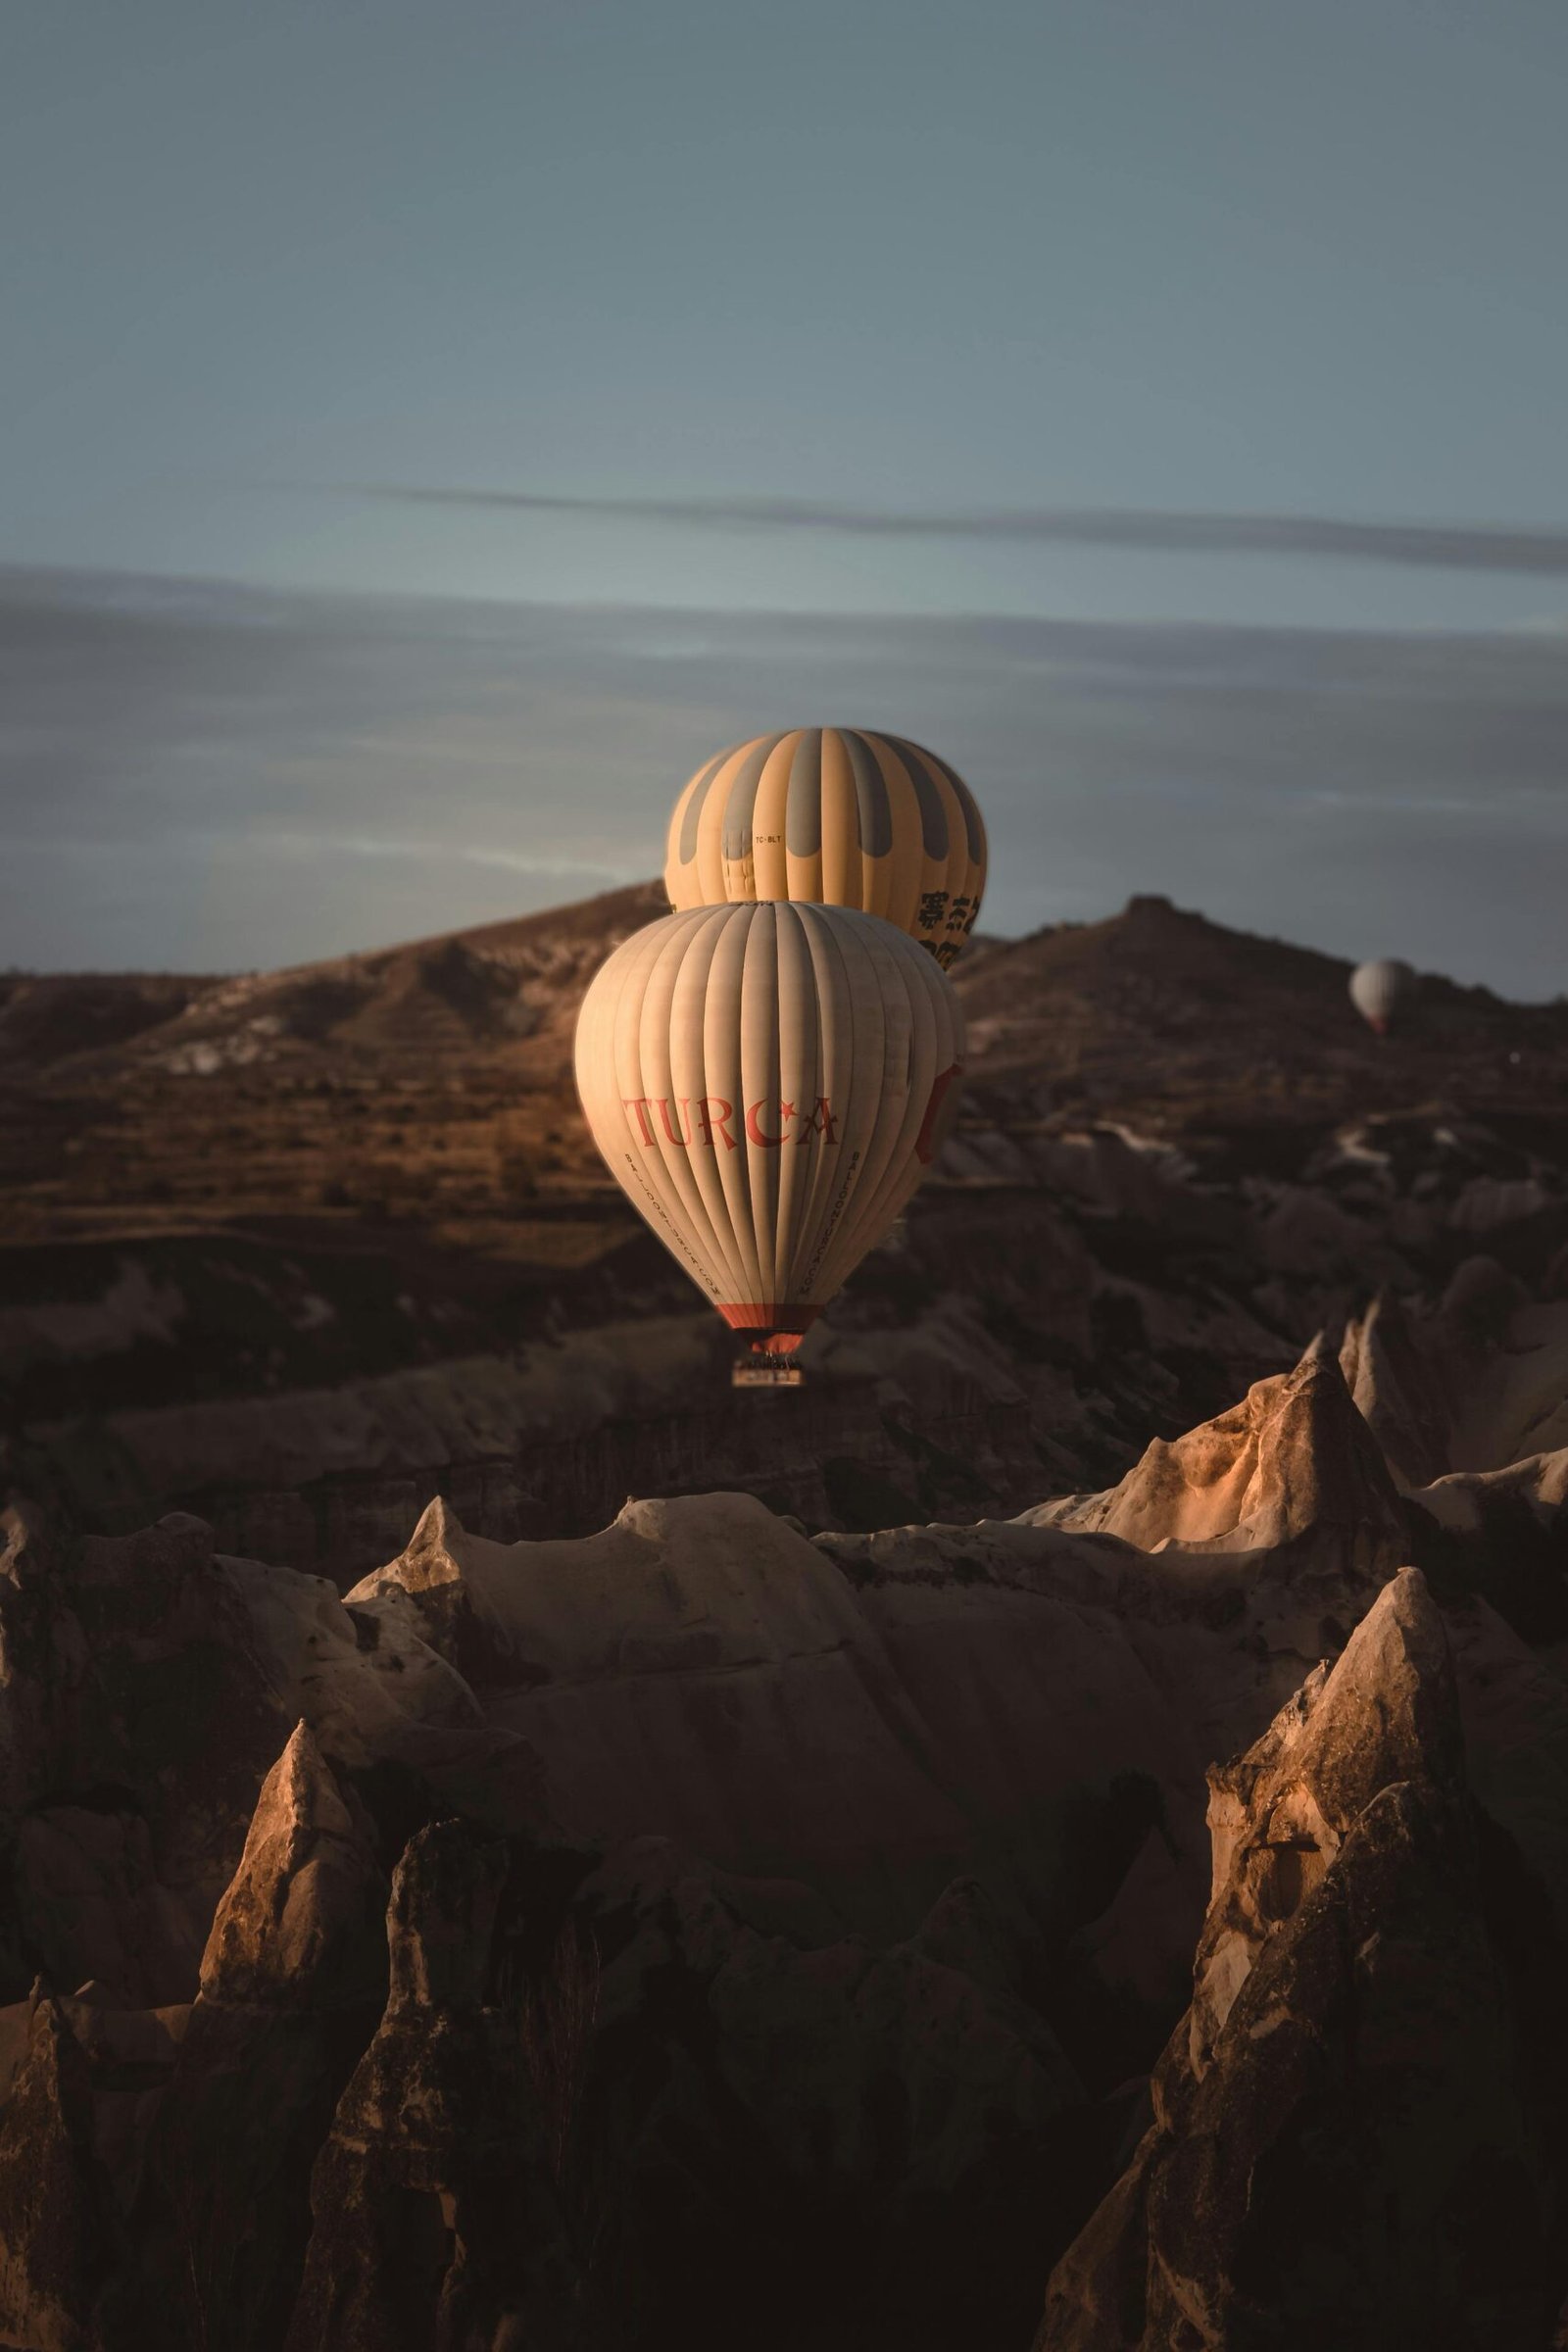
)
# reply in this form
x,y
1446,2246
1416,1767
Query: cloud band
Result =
x,y
1501,548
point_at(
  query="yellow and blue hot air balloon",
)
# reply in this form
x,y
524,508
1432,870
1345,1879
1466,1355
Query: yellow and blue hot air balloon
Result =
x,y
838,816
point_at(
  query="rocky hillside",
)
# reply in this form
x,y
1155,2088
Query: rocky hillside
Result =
x,y
699,1932
1056,1834
295,1250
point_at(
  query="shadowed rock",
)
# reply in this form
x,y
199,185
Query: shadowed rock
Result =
x,y
137,1720
435,2223
1396,1390
147,1684
1502,1535
1480,1383
831,2109
55,2245
700,1671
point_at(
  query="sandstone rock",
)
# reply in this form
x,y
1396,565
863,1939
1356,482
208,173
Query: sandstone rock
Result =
x,y
1514,1403
882,1825
1480,1382
90,1902
299,1924
1302,1233
434,2220
1398,1390
1294,1461
138,1720
55,2239
1514,1707
146,1686
1268,1533
1499,1534
1487,1202
292,1979
1388,1713
699,1671
1344,2148
361,1684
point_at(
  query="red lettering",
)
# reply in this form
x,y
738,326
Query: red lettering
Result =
x,y
680,1133
639,1105
712,1111
754,1128
820,1121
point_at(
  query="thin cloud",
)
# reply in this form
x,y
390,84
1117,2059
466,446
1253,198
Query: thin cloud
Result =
x,y
1498,548
194,776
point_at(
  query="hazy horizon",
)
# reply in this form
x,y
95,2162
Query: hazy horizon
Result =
x,y
208,778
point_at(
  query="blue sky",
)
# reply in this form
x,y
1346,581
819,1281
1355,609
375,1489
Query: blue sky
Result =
x,y
272,275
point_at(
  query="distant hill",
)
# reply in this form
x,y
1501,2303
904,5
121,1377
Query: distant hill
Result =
x,y
294,1249
1160,1015
1154,1003
433,1080
458,988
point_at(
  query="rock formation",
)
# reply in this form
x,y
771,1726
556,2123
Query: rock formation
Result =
x,y
1294,1461
54,2230
1353,2128
292,1979
821,1902
701,1671
794,1881
435,2220
147,1685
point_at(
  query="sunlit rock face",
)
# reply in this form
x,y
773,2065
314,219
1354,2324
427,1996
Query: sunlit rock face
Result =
x,y
1295,1461
1349,2144
292,1979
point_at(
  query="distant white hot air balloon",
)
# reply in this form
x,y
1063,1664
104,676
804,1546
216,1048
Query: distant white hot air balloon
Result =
x,y
838,816
766,1084
1381,990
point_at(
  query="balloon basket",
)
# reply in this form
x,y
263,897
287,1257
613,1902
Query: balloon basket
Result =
x,y
765,1372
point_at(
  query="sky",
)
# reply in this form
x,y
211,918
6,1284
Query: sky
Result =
x,y
430,432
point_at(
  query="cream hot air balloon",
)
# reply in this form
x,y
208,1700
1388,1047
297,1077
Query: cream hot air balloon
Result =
x,y
1381,990
838,816
766,1084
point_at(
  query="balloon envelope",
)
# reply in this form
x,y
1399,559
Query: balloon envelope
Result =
x,y
838,816
1380,991
766,1084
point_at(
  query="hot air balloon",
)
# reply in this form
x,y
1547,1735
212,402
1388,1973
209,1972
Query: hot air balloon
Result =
x,y
837,816
1381,990
766,1084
